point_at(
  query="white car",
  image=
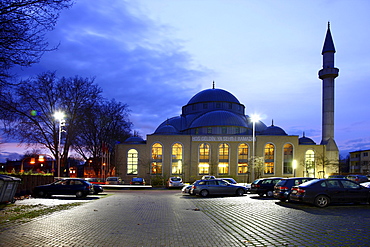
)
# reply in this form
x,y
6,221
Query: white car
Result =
x,y
175,182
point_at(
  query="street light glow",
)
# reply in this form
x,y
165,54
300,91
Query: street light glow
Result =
x,y
59,116
255,118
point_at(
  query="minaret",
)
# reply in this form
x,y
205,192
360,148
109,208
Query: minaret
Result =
x,y
327,74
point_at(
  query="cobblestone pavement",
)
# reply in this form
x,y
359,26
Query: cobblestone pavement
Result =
x,y
168,218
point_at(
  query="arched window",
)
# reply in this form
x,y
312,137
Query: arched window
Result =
x,y
242,158
132,162
288,159
203,163
269,158
156,164
176,159
223,159
309,163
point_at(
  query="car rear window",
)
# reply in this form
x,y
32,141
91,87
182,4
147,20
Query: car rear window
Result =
x,y
176,179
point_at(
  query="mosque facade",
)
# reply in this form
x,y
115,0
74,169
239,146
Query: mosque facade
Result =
x,y
214,136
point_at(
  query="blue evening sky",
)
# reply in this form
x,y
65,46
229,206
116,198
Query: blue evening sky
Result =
x,y
155,55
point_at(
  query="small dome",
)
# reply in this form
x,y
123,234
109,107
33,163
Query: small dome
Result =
x,y
274,131
213,95
219,118
166,130
134,139
306,141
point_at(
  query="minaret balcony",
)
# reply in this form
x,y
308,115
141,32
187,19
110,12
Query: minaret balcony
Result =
x,y
328,73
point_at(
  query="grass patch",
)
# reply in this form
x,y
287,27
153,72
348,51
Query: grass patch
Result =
x,y
11,213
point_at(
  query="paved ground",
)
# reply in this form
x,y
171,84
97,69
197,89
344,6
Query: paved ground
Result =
x,y
167,218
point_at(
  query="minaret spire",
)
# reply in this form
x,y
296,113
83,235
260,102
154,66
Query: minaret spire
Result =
x,y
327,74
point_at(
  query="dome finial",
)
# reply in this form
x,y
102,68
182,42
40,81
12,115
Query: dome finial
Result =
x,y
328,24
213,86
272,122
304,135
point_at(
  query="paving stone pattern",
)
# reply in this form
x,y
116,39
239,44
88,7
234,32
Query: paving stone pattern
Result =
x,y
266,222
167,218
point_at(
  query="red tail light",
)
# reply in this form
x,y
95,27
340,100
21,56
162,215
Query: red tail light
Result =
x,y
282,188
256,185
301,191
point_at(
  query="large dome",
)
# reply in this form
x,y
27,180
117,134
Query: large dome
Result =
x,y
219,118
213,95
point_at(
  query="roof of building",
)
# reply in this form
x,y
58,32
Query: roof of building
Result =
x,y
213,94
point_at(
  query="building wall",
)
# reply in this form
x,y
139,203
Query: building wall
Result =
x,y
360,162
190,162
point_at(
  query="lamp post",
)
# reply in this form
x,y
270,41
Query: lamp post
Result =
x,y
60,117
32,162
294,167
254,119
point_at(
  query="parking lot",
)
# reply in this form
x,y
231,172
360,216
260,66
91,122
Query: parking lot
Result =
x,y
168,218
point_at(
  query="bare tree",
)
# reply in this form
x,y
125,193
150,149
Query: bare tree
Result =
x,y
23,26
29,108
103,126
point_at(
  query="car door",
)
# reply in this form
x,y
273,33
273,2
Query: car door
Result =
x,y
354,192
224,188
213,187
335,190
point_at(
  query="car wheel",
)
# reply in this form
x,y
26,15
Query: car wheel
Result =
x,y
282,199
204,193
80,194
322,201
261,194
240,192
269,194
41,193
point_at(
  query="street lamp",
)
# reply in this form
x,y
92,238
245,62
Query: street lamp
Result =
x,y
60,117
32,162
294,167
254,118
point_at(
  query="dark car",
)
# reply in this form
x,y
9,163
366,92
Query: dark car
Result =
x,y
283,188
322,192
264,186
70,186
95,180
97,188
137,181
358,178
208,187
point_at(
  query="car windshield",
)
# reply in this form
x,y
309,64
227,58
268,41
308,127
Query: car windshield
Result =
x,y
112,179
176,179
137,179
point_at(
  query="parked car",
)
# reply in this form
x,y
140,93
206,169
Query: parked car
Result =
x,y
230,180
70,186
358,178
97,189
137,181
264,186
337,176
95,180
174,182
114,180
283,188
365,184
187,189
208,177
322,192
208,187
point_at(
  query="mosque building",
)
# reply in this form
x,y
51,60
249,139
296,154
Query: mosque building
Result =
x,y
214,136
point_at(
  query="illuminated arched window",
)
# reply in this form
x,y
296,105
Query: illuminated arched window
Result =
x,y
269,158
288,159
309,163
177,159
132,162
223,159
156,164
203,164
242,158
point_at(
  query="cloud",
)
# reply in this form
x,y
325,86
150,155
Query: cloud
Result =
x,y
131,57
